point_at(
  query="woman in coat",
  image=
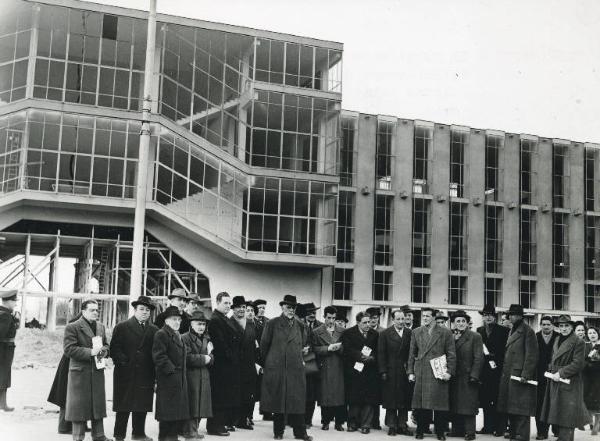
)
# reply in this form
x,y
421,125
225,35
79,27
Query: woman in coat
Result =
x,y
328,349
169,355
464,386
563,403
591,377
198,357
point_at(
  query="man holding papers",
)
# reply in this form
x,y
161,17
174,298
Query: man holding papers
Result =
x,y
361,375
517,395
563,402
431,346
545,338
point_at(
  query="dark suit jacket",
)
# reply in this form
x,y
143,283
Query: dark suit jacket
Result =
x,y
225,371
361,387
392,360
495,342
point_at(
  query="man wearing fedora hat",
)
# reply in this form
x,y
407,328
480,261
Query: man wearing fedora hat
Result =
x,y
494,339
133,374
8,331
170,358
283,343
563,402
517,398
178,298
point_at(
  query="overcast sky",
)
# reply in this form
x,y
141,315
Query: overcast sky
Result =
x,y
525,66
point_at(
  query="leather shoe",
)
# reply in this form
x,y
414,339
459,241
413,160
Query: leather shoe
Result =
x,y
506,435
7,408
456,435
278,437
484,431
339,427
351,429
419,435
498,434
404,431
325,427
392,431
230,428
376,427
245,426
365,430
441,437
226,433
140,438
469,437
541,437
306,437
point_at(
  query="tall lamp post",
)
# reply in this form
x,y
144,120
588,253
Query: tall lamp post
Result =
x,y
143,159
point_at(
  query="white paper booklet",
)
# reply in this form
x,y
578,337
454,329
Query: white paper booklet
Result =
x,y
439,366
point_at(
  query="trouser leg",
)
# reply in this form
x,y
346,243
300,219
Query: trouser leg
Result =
x,y
366,415
440,421
78,430
353,415
469,424
216,423
64,426
376,414
327,414
98,429
341,415
138,424
296,420
541,427
3,398
309,412
391,418
121,419
520,427
565,433
278,423
422,419
190,427
458,424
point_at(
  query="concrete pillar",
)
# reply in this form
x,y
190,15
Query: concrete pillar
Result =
x,y
576,229
475,241
402,185
544,225
510,265
440,214
365,203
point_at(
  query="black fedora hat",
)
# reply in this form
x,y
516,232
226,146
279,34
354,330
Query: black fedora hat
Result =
x,y
238,301
564,318
289,299
143,300
460,313
374,311
172,311
405,309
488,309
439,315
515,309
310,307
259,302
198,316
179,292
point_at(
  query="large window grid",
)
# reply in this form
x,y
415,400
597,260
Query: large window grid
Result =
x,y
528,159
343,280
384,156
384,231
494,172
420,286
528,242
294,132
560,245
382,285
457,290
348,153
298,65
459,141
527,290
592,298
492,291
560,176
592,248
346,229
560,296
421,233
12,130
90,58
422,161
15,33
458,256
592,179
493,239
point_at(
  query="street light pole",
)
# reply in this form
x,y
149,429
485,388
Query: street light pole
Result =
x,y
143,160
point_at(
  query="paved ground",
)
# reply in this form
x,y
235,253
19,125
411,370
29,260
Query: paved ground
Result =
x,y
36,420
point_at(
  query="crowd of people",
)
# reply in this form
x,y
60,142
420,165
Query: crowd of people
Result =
x,y
436,375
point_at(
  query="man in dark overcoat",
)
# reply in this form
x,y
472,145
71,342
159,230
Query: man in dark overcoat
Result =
x,y
517,398
8,331
431,394
199,357
169,356
225,370
545,339
464,386
360,373
86,397
178,298
494,339
312,380
328,348
393,349
247,333
375,314
133,374
563,404
283,343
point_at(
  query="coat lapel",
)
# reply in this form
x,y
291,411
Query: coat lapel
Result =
x,y
85,327
462,340
435,335
567,345
513,337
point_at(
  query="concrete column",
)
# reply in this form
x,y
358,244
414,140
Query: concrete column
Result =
x,y
510,264
440,214
365,203
576,229
475,240
544,224
402,185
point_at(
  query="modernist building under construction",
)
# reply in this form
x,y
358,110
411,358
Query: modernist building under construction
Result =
x,y
260,185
